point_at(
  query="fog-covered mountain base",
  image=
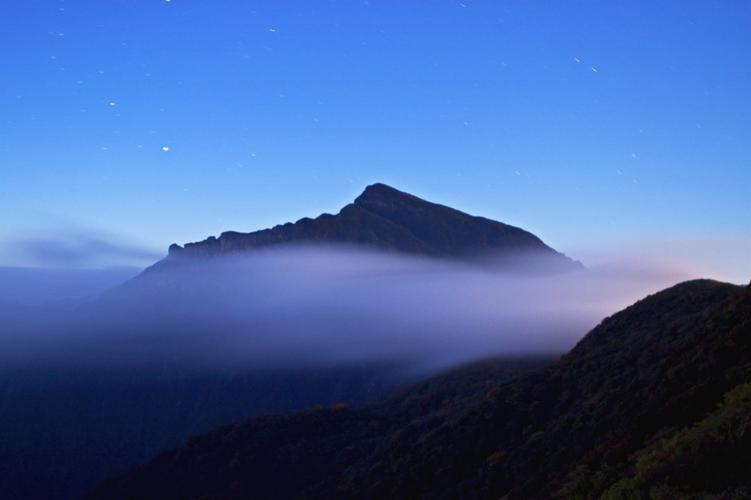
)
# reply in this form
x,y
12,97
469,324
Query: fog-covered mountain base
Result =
x,y
329,305
342,308
200,342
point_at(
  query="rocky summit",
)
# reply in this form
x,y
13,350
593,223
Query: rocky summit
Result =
x,y
384,218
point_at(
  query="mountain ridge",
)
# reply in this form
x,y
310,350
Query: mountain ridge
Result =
x,y
384,218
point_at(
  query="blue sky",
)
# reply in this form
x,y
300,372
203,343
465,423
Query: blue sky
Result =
x,y
596,125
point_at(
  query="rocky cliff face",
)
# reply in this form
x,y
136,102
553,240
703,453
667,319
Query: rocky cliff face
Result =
x,y
384,218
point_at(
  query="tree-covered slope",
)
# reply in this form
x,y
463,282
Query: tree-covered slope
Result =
x,y
652,396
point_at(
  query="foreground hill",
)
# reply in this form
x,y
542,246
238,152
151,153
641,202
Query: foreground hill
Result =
x,y
653,402
384,218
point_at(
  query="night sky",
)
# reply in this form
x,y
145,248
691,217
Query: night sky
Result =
x,y
605,127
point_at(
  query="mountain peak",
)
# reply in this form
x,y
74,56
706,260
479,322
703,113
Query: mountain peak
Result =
x,y
385,218
380,190
377,197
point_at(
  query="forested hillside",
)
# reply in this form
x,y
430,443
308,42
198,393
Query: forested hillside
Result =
x,y
652,403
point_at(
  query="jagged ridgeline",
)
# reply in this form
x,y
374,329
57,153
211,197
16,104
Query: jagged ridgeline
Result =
x,y
384,218
652,403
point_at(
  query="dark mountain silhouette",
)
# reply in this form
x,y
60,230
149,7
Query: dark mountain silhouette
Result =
x,y
652,403
387,219
198,340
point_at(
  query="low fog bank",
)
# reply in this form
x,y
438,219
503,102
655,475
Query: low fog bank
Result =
x,y
39,286
35,301
90,391
324,306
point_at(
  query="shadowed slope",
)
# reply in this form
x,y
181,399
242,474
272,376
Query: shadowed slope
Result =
x,y
575,429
